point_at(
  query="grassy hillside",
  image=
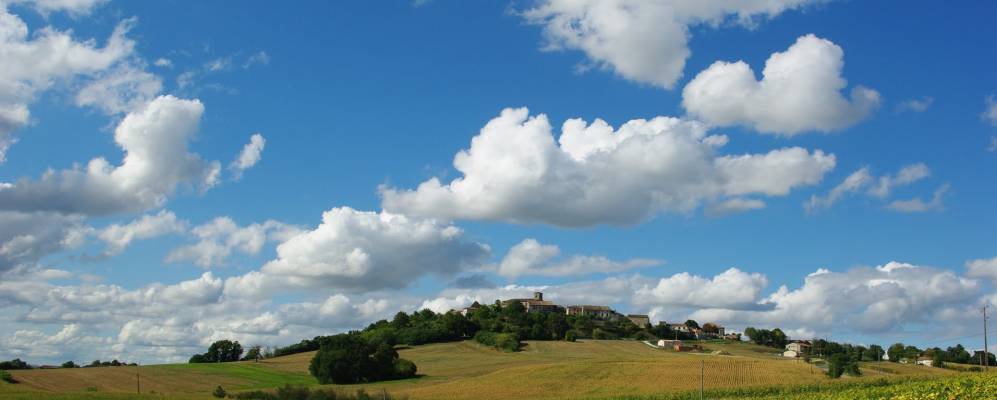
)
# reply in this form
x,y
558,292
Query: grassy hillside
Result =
x,y
466,370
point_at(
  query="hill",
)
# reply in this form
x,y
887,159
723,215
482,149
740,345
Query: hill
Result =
x,y
467,370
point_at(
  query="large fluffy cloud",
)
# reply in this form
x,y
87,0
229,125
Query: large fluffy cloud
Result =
x,y
800,91
865,300
155,164
595,174
530,257
732,289
361,251
32,63
641,40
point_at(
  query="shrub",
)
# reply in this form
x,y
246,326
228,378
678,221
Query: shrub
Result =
x,y
219,392
570,336
289,392
6,377
69,364
644,335
404,368
600,334
502,341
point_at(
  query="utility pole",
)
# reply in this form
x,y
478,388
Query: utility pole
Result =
x,y
702,378
986,351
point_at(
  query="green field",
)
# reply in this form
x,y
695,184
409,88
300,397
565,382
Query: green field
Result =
x,y
588,369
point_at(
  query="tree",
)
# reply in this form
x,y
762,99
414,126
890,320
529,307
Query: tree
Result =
x,y
255,353
350,358
14,364
69,364
219,392
220,351
778,339
938,360
957,354
692,324
839,364
401,320
896,352
873,353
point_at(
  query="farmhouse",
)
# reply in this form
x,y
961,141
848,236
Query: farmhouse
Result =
x,y
601,312
677,345
799,346
924,361
536,304
642,321
466,311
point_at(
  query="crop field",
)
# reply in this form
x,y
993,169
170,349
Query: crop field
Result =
x,y
467,370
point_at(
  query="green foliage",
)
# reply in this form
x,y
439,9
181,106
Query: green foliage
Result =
x,y
219,392
938,360
14,364
220,351
351,358
69,364
6,377
645,335
600,334
570,336
839,364
254,353
404,368
502,341
772,338
289,392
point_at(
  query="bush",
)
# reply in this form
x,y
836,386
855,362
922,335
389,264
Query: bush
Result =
x,y
600,334
404,368
289,392
502,341
69,364
570,336
6,377
645,335
219,392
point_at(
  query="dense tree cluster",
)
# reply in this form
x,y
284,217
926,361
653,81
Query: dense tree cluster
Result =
x,y
353,358
220,351
771,338
14,364
842,363
112,363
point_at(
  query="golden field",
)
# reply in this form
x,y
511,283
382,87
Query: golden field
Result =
x,y
590,369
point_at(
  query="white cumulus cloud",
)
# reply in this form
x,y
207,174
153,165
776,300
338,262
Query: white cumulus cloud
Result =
x,y
642,40
118,236
800,91
530,257
156,162
594,174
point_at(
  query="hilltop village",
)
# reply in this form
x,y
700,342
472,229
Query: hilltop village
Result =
x,y
537,304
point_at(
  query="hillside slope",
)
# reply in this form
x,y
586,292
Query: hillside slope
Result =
x,y
467,370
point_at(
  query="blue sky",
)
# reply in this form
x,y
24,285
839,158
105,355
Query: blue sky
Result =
x,y
357,103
